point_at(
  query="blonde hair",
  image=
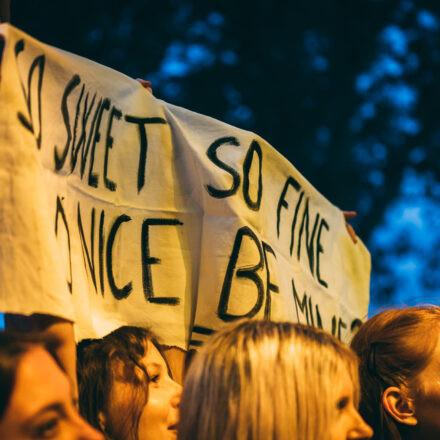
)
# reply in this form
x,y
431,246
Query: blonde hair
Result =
x,y
393,347
263,380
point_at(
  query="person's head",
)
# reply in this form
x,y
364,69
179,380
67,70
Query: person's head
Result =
x,y
125,388
265,380
399,373
35,397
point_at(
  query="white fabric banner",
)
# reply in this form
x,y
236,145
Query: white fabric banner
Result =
x,y
118,208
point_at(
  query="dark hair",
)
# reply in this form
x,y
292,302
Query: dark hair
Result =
x,y
13,346
97,368
393,347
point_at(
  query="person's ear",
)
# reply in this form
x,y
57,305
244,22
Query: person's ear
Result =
x,y
399,406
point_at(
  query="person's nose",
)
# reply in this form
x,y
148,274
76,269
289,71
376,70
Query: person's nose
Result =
x,y
361,430
176,394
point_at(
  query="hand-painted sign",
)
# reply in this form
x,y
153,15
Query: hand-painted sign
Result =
x,y
116,208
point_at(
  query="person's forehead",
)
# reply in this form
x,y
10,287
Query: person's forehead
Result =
x,y
38,382
343,383
153,355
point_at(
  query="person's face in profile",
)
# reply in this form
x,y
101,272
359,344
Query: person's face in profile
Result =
x,y
159,416
41,405
347,423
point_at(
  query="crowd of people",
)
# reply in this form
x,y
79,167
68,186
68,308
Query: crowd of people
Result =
x,y
253,379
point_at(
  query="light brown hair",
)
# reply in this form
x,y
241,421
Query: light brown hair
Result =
x,y
263,380
393,347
